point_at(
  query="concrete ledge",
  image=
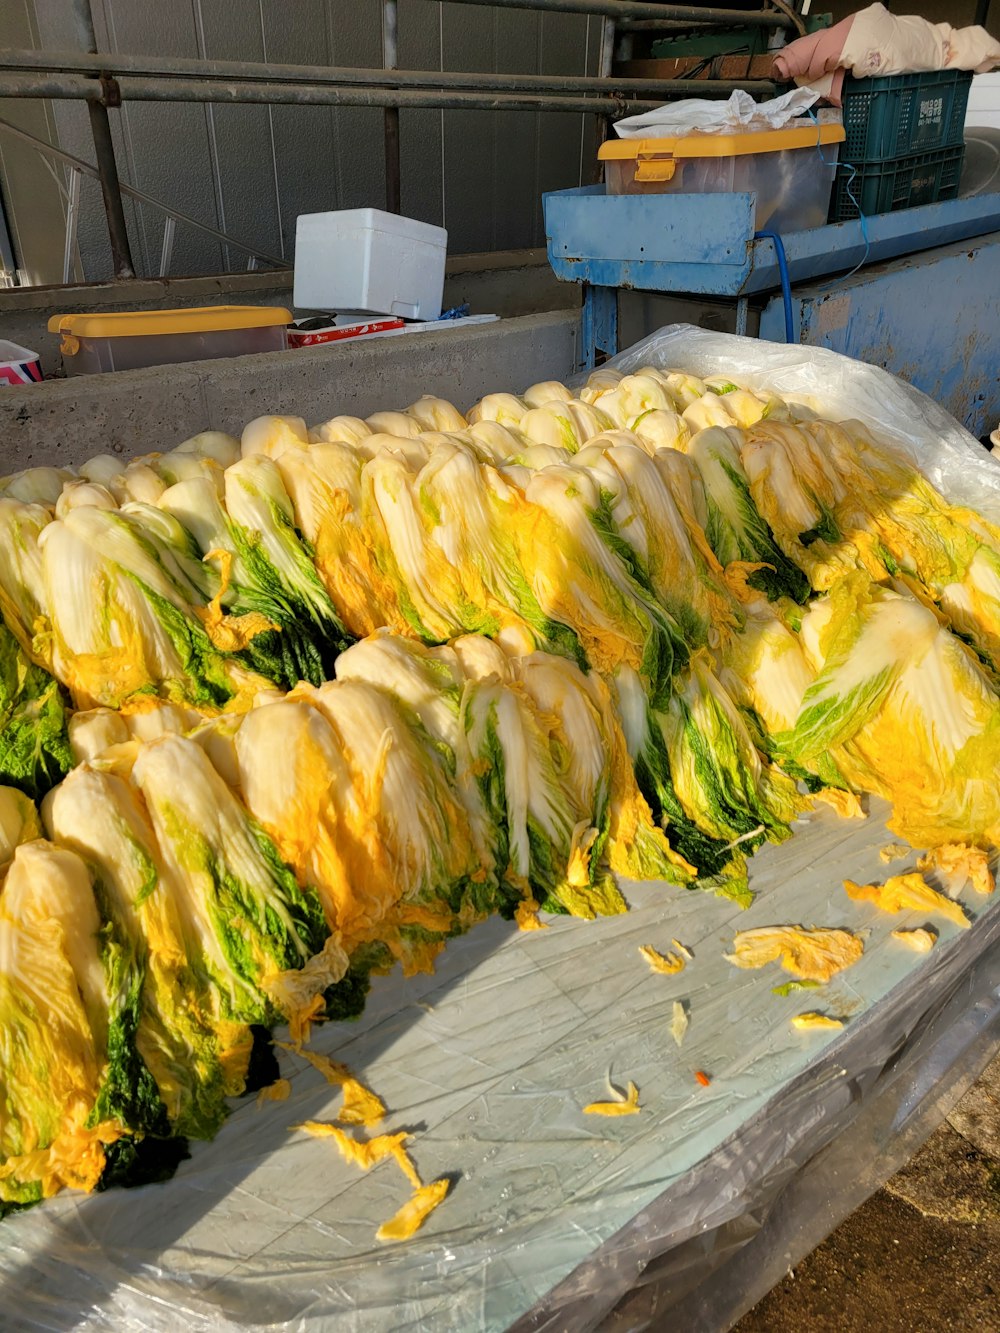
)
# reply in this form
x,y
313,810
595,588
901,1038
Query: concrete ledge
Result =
x,y
505,283
139,411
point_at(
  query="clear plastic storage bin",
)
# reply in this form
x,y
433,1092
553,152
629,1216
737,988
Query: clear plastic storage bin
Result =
x,y
791,170
131,339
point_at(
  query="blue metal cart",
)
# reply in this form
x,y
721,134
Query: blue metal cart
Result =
x,y
924,301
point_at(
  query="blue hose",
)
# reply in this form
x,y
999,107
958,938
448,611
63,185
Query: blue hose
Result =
x,y
786,286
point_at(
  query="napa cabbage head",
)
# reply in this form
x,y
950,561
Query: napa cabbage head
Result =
x,y
122,622
548,391
80,492
436,414
583,724
36,485
584,576
169,1014
736,528
22,588
213,446
262,526
34,746
270,436
340,522
659,428
504,408
340,430
420,838
244,918
49,1052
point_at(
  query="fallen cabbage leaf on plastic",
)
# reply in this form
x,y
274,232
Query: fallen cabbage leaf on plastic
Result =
x,y
813,1022
918,938
908,893
622,1103
960,863
845,803
667,964
790,987
894,851
366,1153
278,1091
809,953
360,1106
414,1212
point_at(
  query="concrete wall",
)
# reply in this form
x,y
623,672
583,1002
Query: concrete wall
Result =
x,y
250,171
508,283
138,411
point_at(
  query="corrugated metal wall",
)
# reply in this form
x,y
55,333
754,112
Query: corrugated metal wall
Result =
x,y
250,170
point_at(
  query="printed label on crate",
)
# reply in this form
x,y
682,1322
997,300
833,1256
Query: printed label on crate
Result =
x,y
922,187
930,117
315,337
20,372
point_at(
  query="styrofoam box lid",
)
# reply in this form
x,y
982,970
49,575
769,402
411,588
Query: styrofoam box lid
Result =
x,y
372,219
14,352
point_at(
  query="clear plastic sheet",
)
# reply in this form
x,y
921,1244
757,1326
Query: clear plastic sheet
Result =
x,y
693,1206
841,389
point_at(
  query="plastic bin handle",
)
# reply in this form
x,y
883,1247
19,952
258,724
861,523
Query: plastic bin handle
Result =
x,y
654,168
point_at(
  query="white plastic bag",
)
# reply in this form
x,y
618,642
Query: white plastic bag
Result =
x,y
841,389
699,116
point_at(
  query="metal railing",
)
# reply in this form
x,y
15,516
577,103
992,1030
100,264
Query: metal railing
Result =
x,y
105,80
78,168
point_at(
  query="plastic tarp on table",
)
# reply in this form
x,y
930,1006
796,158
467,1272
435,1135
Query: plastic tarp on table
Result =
x,y
555,1217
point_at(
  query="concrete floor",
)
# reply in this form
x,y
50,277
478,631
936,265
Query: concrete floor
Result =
x,y
922,1255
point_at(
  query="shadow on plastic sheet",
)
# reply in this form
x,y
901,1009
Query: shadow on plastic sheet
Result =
x,y
921,1064
106,1241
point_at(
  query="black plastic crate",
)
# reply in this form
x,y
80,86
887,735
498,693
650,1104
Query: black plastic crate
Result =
x,y
883,187
901,114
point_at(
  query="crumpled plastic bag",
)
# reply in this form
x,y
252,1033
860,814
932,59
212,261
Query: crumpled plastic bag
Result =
x,y
841,388
697,115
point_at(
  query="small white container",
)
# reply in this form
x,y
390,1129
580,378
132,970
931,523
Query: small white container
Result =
x,y
366,261
18,365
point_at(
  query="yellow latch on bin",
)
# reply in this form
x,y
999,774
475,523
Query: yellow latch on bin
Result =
x,y
654,168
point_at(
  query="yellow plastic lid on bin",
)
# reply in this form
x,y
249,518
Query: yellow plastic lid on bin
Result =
x,y
150,323
655,158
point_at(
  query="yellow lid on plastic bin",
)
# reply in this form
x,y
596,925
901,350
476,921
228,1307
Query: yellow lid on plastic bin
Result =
x,y
196,319
654,158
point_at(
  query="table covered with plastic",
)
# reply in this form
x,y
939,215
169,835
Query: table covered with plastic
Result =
x,y
752,1142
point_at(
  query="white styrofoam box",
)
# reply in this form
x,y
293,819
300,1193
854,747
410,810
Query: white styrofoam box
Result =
x,y
984,101
18,365
364,260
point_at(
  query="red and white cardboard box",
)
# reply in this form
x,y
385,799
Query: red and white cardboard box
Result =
x,y
18,365
335,333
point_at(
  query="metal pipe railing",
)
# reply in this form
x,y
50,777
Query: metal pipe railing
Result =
x,y
643,9
239,71
390,116
68,86
87,169
104,150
